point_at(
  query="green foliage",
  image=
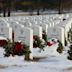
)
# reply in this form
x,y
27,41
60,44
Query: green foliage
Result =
x,y
65,42
60,47
26,52
44,36
37,42
8,48
11,49
70,53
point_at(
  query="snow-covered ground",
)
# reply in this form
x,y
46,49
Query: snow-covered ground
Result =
x,y
51,62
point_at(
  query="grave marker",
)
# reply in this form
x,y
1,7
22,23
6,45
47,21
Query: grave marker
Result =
x,y
25,35
56,32
44,27
37,30
6,32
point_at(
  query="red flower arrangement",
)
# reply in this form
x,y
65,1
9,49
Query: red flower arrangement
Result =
x,y
49,43
2,43
18,48
52,42
15,48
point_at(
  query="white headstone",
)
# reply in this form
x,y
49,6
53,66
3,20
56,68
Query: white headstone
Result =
x,y
6,32
15,25
27,24
4,24
44,27
37,30
66,26
25,35
56,32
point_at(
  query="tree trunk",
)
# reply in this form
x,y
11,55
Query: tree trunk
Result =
x,y
59,7
0,12
4,12
9,7
8,12
38,11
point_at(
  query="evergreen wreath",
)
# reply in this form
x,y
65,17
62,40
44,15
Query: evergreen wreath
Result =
x,y
37,42
15,48
8,48
60,47
44,36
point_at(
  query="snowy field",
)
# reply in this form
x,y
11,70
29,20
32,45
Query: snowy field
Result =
x,y
51,61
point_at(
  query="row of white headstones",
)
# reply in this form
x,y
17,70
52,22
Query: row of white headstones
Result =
x,y
25,27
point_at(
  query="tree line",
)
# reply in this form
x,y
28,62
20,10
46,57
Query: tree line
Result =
x,y
8,5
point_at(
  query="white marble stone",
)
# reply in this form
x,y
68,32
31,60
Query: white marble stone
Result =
x,y
24,35
37,30
6,32
44,27
56,32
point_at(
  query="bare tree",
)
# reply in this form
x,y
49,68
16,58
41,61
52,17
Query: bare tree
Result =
x,y
9,7
38,7
59,7
4,8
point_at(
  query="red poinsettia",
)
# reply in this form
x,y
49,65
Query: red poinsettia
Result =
x,y
2,43
15,48
49,43
18,47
